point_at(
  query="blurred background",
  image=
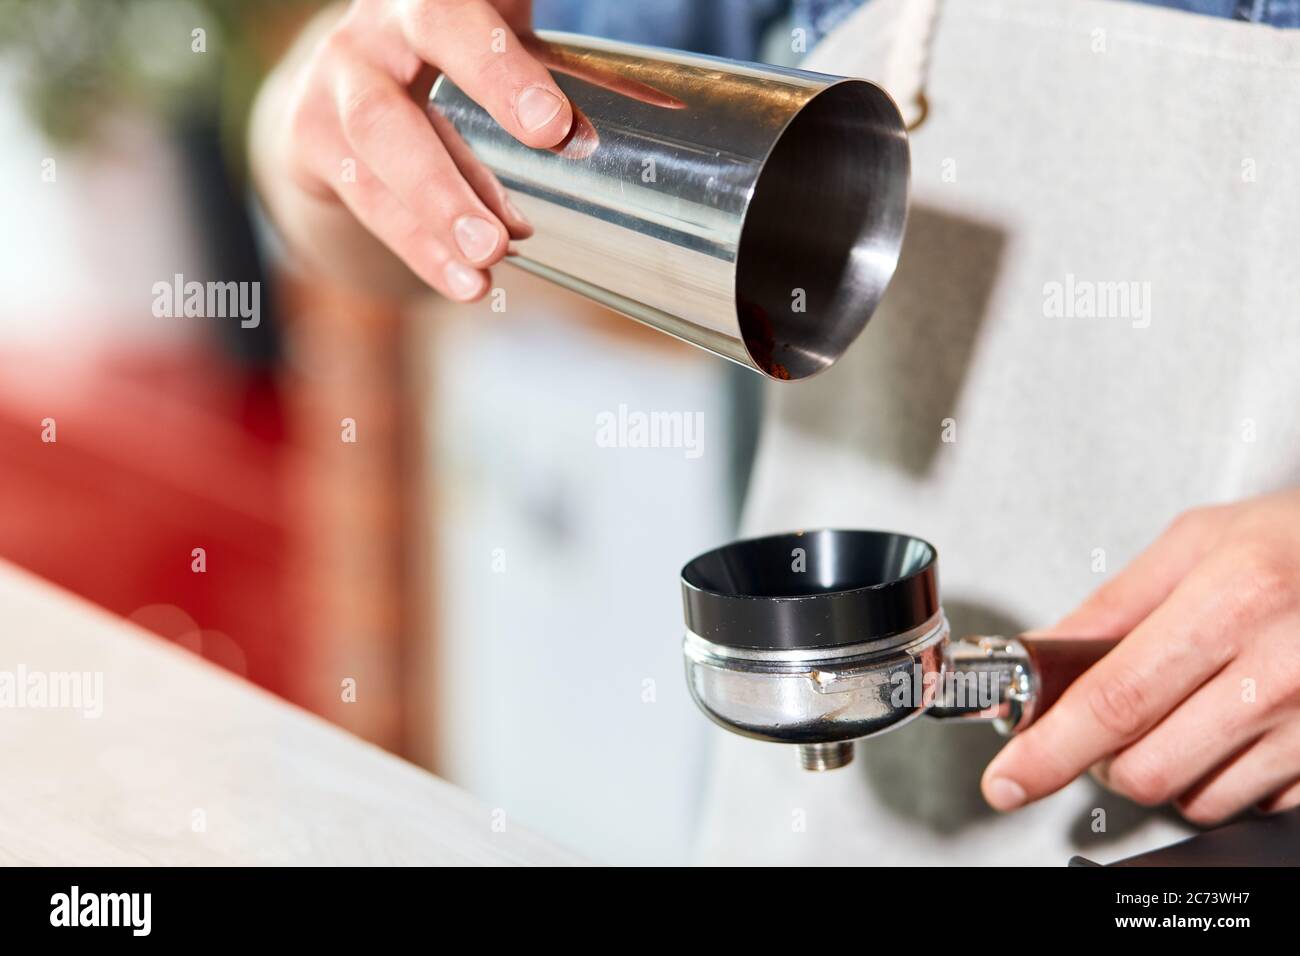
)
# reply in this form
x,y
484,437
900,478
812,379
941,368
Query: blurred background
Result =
x,y
502,590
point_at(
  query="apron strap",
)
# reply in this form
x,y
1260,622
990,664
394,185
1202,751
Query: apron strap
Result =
x,y
909,58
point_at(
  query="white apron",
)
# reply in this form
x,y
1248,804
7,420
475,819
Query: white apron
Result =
x,y
1093,328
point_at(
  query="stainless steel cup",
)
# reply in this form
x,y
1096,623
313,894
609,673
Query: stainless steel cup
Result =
x,y
753,211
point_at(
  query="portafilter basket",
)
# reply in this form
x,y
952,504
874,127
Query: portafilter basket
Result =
x,y
820,638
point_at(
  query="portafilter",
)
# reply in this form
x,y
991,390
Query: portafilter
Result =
x,y
820,638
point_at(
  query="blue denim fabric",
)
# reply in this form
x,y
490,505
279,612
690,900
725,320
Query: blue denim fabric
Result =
x,y
733,27
730,28
1277,13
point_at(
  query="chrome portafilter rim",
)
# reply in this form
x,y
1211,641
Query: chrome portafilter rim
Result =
x,y
866,651
817,700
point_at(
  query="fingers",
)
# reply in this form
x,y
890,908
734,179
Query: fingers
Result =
x,y
518,14
481,179
393,138
1250,777
1223,718
1121,603
471,42
1287,798
388,219
1175,650
1190,743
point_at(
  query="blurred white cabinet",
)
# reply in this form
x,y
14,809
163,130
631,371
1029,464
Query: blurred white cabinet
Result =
x,y
561,696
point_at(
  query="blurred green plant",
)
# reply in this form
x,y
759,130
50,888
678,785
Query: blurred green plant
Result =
x,y
74,60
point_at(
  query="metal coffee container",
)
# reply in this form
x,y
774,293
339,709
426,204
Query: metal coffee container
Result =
x,y
753,211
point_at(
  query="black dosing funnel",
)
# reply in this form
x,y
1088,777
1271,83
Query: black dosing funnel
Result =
x,y
811,589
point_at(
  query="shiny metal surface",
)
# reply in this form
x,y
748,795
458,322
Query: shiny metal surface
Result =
x,y
754,211
988,679
815,698
823,700
825,756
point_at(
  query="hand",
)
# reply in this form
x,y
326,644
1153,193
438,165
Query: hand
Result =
x,y
1200,703
348,125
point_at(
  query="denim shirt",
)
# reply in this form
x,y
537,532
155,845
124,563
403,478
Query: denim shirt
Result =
x,y
734,28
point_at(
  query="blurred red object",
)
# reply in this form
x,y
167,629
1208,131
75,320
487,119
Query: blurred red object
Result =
x,y
155,456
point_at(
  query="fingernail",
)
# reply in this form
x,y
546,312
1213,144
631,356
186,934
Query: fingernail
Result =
x,y
476,237
1004,794
535,107
465,282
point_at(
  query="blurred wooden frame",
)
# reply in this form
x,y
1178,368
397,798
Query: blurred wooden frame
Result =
x,y
353,413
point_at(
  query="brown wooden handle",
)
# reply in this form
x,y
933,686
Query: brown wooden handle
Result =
x,y
1058,662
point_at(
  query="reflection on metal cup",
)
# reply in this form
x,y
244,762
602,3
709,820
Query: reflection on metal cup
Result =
x,y
751,210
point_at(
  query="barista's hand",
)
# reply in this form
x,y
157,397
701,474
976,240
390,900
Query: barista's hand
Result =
x,y
1200,703
343,122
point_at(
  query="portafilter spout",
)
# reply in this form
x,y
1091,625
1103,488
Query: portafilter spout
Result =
x,y
821,638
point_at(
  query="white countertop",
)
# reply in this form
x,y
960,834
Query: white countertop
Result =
x,y
190,765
